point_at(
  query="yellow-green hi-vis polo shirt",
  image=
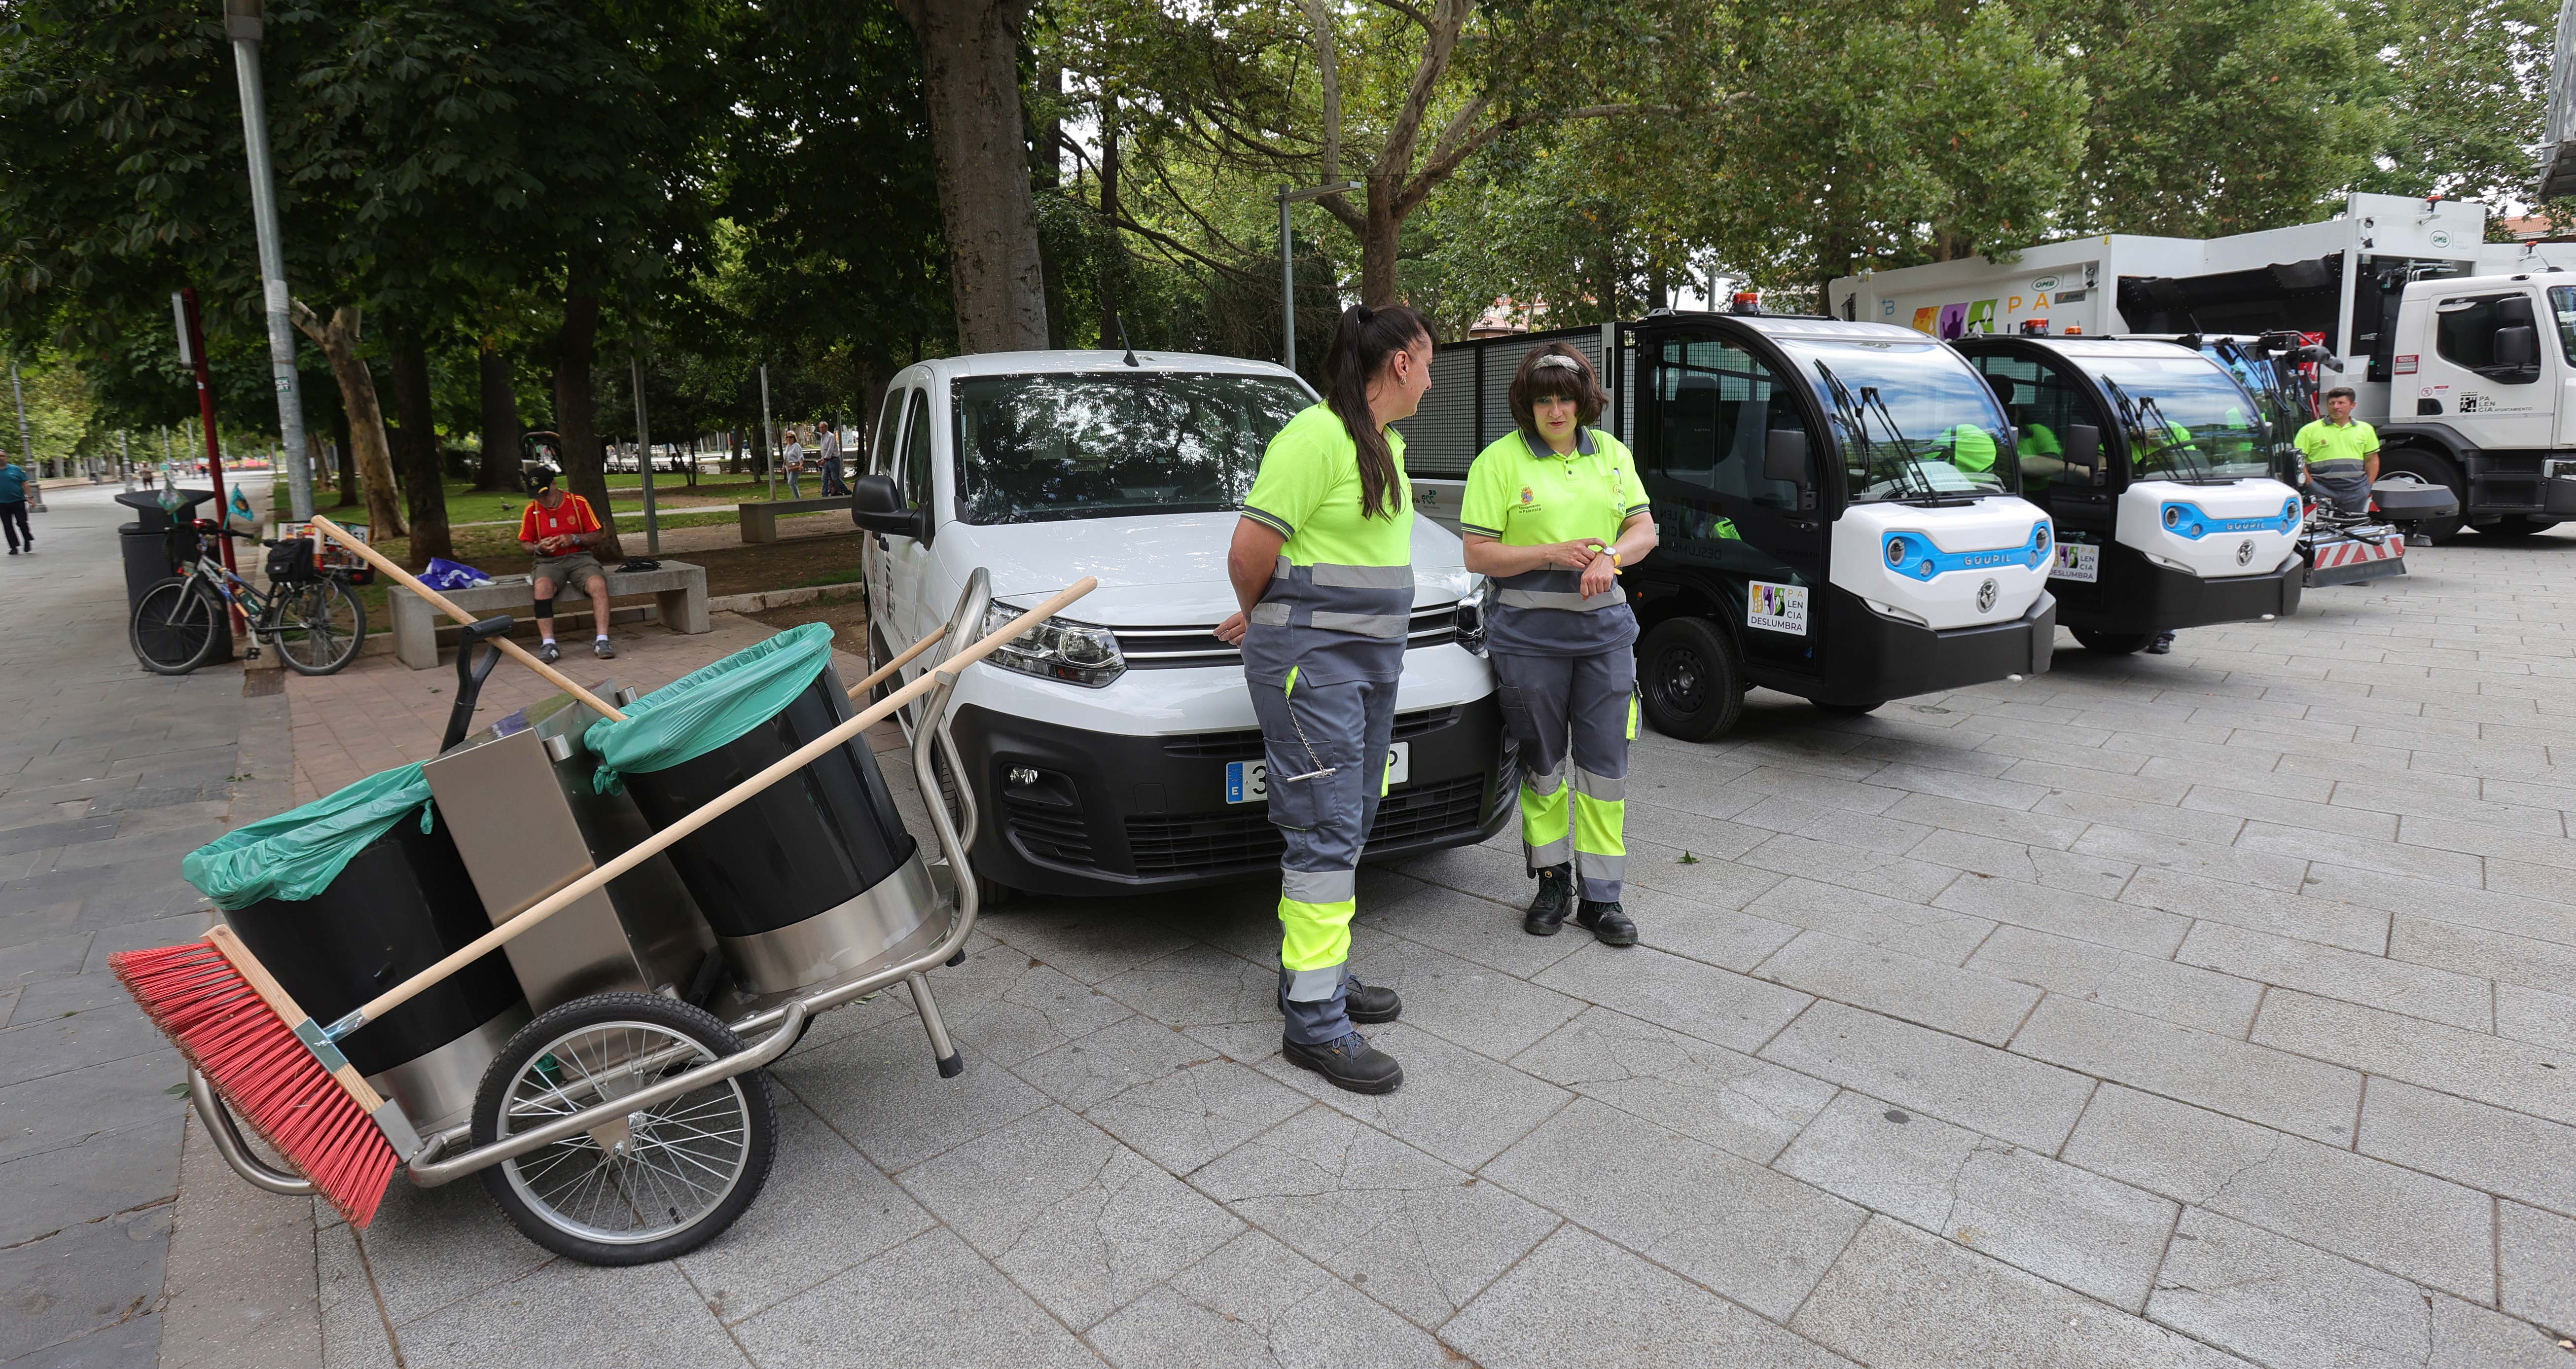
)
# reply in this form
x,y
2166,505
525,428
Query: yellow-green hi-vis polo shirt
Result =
x,y
2329,446
1340,603
1521,494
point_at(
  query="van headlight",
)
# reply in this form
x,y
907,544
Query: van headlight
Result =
x,y
1471,616
1076,653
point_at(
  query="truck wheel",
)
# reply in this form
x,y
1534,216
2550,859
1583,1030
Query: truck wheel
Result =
x,y
2113,643
1690,678
2432,468
2517,526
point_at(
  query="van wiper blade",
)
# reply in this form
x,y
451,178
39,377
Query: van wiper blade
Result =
x,y
1877,404
2171,431
1853,414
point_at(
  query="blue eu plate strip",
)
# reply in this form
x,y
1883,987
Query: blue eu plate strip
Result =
x,y
1914,556
2187,520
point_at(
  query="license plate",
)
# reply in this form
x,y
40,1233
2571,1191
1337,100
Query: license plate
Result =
x,y
2076,561
1249,781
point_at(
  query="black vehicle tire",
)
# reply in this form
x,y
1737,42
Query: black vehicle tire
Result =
x,y
174,627
2516,526
2432,468
2112,643
589,1202
320,626
1690,679
1847,710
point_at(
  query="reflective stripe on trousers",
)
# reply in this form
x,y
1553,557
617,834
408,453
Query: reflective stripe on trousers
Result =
x,y
1573,717
1325,820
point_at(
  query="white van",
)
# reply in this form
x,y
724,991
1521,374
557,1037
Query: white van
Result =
x,y
1116,750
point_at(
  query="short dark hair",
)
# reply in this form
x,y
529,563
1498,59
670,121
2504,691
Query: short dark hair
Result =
x,y
2342,392
1535,381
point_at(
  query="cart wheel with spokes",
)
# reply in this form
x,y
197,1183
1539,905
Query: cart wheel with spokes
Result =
x,y
655,1183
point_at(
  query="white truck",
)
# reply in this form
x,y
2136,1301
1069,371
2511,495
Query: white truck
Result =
x,y
1115,750
2469,378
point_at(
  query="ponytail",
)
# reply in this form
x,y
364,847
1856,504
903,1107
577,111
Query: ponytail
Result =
x,y
1362,341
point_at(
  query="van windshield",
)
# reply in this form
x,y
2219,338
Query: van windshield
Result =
x,y
2187,418
1915,421
1090,444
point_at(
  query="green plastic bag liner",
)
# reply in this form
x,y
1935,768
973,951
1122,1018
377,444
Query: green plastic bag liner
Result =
x,y
708,708
295,855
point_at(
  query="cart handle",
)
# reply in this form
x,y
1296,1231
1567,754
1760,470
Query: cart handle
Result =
x,y
448,606
655,844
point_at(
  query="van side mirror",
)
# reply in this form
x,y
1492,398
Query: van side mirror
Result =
x,y
2084,446
1784,456
876,505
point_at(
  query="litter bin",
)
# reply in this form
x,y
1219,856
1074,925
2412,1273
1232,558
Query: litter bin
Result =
x,y
813,877
145,544
398,902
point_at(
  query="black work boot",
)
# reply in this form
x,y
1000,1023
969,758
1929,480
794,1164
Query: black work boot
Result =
x,y
1547,911
1371,1003
1349,1063
1609,922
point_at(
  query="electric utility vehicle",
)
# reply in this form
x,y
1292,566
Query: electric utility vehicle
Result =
x,y
2157,468
1836,504
1115,750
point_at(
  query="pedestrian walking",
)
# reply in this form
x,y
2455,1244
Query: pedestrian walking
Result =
x,y
1322,564
1553,511
795,462
560,529
833,484
15,484
2342,454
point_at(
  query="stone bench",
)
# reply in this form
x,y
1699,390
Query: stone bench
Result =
x,y
760,521
679,591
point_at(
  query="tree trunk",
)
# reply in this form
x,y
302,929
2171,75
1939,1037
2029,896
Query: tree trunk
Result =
x,y
344,456
500,469
1111,270
415,451
338,339
971,74
1379,242
577,414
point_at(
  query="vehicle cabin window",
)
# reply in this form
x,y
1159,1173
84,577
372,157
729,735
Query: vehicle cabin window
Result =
x,y
889,426
914,481
2044,407
2562,304
1718,405
2464,333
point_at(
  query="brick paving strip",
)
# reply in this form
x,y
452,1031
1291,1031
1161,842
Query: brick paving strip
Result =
x,y
2200,1010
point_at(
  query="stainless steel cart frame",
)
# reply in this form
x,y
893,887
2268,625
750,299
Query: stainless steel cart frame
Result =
x,y
444,1157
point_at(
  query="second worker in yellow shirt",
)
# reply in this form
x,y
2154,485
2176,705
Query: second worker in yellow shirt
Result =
x,y
1552,512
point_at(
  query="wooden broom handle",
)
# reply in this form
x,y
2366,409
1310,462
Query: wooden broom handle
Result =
x,y
448,606
655,844
897,663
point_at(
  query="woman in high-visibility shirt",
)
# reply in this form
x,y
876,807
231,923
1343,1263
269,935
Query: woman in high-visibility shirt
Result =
x,y
1323,566
1552,512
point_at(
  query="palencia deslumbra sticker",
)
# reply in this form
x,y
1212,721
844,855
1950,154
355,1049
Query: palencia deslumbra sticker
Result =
x,y
2075,561
1776,608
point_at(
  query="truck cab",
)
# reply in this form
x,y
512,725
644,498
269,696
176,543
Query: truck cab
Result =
x,y
1835,502
2481,375
2156,465
1115,750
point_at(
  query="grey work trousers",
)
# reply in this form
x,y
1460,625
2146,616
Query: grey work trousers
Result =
x,y
1581,709
1307,728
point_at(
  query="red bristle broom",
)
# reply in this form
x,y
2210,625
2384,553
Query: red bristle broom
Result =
x,y
207,996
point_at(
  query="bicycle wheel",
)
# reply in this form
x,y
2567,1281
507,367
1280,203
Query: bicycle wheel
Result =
x,y
319,626
174,625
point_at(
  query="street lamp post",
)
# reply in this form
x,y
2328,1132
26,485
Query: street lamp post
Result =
x,y
244,24
26,444
644,453
768,436
1288,197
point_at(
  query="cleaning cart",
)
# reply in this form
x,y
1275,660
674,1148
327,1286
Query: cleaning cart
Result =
x,y
625,1121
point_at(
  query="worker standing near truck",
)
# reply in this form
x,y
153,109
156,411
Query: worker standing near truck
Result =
x,y
2342,454
1552,512
1322,565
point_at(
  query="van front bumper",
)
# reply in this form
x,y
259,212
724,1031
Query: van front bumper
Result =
x,y
1119,813
1874,658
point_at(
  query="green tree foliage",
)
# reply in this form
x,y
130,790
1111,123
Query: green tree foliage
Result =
x,y
2461,81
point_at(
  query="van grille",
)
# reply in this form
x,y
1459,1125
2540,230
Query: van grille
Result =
x,y
1411,813
1048,832
1196,646
1246,745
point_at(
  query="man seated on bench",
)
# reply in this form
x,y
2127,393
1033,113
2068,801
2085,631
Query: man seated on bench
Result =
x,y
559,529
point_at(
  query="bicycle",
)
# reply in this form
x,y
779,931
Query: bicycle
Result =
x,y
308,612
